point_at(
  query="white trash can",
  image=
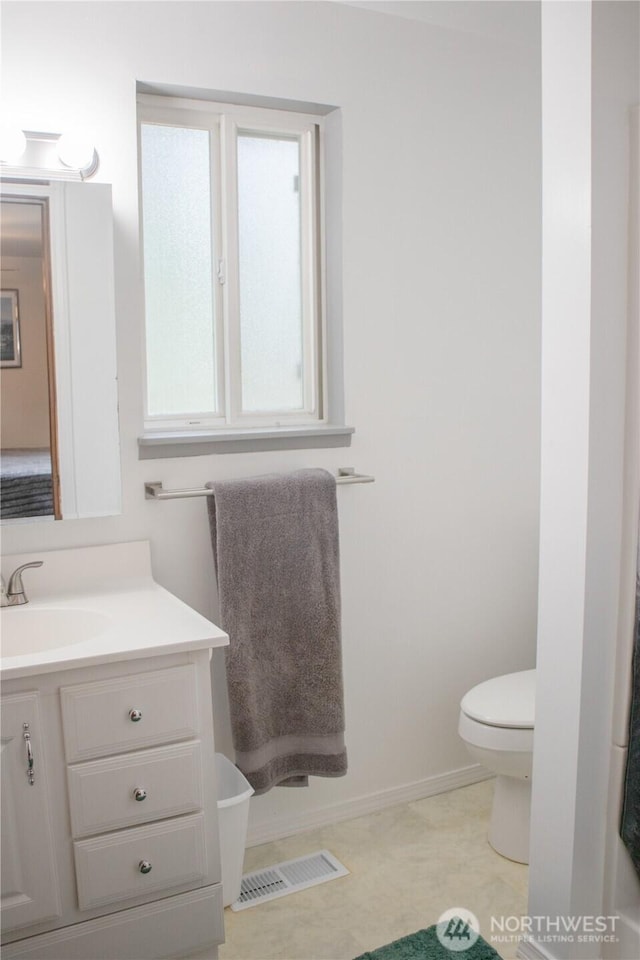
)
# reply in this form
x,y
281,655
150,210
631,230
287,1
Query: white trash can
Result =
x,y
234,793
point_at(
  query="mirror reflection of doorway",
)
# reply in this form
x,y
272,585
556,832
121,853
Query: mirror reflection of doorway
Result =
x,y
29,476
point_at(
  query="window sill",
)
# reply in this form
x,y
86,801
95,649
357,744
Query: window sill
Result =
x,y
155,445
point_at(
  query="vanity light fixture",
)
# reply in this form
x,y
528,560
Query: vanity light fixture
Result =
x,y
26,155
76,150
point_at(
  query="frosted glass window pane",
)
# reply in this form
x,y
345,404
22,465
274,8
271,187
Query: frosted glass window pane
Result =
x,y
176,201
270,273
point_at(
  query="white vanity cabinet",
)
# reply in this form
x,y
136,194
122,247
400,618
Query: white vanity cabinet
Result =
x,y
29,882
113,850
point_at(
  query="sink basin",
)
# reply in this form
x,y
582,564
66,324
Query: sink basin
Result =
x,y
25,630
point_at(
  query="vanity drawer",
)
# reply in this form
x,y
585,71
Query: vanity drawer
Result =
x,y
110,868
129,713
135,788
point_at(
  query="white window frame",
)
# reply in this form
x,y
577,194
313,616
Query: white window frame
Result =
x,y
225,122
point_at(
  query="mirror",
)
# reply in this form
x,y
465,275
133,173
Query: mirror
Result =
x,y
28,460
59,444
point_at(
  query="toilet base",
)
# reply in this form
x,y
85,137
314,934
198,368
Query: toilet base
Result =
x,y
510,816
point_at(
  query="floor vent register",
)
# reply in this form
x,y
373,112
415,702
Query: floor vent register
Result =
x,y
288,877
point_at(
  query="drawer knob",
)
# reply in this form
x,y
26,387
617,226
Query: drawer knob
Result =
x,y
144,866
135,715
140,794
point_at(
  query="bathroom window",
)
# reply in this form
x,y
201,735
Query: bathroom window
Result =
x,y
232,243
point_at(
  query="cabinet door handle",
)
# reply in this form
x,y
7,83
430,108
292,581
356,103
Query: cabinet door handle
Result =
x,y
144,866
139,794
26,736
135,715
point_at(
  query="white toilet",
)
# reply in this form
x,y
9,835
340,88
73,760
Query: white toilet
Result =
x,y
496,723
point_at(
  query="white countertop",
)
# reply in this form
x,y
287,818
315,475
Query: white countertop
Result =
x,y
142,619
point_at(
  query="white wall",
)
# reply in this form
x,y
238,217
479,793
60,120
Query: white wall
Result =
x,y
590,81
441,307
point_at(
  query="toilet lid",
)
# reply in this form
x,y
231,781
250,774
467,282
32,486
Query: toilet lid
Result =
x,y
507,701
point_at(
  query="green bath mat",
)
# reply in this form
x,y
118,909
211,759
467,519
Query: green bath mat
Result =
x,y
424,945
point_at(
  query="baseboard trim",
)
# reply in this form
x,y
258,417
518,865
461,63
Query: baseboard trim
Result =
x,y
370,803
529,950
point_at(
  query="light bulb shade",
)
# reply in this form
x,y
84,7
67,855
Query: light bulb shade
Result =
x,y
76,150
13,143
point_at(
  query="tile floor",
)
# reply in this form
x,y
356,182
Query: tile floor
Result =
x,y
408,865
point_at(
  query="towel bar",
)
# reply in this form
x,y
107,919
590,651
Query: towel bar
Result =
x,y
153,490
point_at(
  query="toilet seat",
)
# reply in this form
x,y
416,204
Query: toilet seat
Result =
x,y
490,737
507,701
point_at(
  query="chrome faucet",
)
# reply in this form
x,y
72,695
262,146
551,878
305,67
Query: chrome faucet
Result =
x,y
14,595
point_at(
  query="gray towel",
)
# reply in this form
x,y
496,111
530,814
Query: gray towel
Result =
x,y
630,825
275,548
